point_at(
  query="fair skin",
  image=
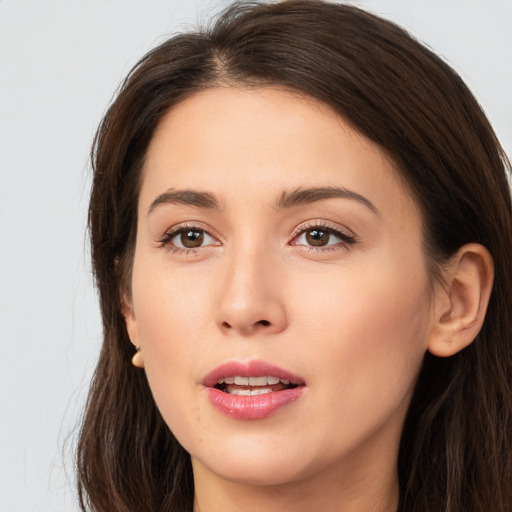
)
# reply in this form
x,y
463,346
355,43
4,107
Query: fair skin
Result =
x,y
330,286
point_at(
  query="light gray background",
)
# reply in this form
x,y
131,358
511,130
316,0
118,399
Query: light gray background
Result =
x,y
60,62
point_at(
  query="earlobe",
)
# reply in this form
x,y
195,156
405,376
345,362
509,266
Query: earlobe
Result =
x,y
137,359
461,304
132,330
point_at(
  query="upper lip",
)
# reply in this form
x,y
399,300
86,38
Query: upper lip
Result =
x,y
254,368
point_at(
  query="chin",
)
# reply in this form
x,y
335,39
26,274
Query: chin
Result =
x,y
256,459
256,473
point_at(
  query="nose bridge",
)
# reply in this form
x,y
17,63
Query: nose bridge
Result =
x,y
250,298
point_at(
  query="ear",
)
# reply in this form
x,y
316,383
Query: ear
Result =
x,y
461,302
131,328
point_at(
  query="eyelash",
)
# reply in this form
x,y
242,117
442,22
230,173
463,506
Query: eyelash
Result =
x,y
347,239
166,239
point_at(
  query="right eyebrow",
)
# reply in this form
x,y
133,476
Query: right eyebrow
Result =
x,y
186,197
311,195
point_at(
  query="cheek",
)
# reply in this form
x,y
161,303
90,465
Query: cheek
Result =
x,y
169,307
171,316
368,337
377,308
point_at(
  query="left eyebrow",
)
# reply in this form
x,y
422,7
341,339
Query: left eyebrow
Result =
x,y
311,195
186,197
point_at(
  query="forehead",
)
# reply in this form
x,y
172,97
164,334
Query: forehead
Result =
x,y
244,142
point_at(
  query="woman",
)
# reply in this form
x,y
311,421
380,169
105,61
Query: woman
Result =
x,y
300,225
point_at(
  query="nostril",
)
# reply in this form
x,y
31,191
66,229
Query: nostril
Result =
x,y
247,328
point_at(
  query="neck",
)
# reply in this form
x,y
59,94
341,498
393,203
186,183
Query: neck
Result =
x,y
358,490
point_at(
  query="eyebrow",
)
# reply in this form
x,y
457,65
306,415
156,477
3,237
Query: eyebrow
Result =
x,y
287,200
311,195
186,197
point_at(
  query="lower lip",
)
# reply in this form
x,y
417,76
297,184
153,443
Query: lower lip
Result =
x,y
255,407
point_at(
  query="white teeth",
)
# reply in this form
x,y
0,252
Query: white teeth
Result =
x,y
244,391
258,381
261,391
249,392
253,381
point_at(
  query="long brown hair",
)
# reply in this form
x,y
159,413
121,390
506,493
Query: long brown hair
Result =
x,y
456,448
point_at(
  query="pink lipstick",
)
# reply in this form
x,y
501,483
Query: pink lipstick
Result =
x,y
251,391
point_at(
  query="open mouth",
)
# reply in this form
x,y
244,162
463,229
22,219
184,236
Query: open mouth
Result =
x,y
250,386
252,390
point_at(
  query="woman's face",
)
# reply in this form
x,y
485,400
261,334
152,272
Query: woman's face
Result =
x,y
275,241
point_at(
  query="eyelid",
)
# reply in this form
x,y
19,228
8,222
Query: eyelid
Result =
x,y
325,225
165,239
346,237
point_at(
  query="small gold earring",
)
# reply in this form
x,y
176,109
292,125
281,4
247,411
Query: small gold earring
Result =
x,y
137,359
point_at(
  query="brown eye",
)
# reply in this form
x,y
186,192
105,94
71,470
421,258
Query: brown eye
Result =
x,y
191,238
317,237
188,239
323,237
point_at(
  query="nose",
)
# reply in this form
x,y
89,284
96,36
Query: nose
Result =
x,y
251,299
